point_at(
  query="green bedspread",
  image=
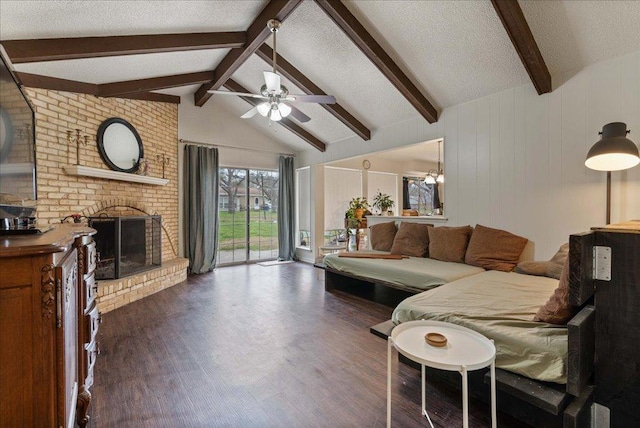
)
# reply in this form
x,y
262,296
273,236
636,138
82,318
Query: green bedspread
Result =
x,y
416,273
500,306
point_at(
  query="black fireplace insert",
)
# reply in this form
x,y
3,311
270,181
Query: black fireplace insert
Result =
x,y
127,244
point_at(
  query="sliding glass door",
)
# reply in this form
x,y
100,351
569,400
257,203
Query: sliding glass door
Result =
x,y
248,213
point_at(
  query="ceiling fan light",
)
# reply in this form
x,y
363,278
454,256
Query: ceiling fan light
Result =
x,y
440,178
284,109
264,108
275,115
429,179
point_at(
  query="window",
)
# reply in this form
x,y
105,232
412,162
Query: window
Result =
x,y
421,195
303,204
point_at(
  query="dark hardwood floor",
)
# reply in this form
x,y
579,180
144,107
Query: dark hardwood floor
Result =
x,y
253,346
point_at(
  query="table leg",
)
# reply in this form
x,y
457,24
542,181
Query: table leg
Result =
x,y
424,407
389,346
465,398
494,416
424,394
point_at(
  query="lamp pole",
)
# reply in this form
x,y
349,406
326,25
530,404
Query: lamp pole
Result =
x,y
608,197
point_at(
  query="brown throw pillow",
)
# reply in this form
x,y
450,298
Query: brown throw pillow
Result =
x,y
449,244
382,236
552,268
412,239
494,249
557,309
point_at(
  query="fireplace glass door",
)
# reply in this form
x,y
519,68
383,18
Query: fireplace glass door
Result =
x,y
126,245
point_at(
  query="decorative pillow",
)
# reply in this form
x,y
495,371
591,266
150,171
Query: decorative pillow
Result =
x,y
552,268
557,309
494,249
449,244
412,239
382,236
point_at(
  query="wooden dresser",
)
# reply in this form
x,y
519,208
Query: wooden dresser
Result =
x,y
48,326
617,326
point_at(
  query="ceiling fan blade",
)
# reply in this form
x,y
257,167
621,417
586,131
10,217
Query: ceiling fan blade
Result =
x,y
298,115
250,113
273,82
320,99
241,94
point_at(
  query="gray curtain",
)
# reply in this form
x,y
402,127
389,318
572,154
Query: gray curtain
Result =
x,y
406,201
201,207
286,210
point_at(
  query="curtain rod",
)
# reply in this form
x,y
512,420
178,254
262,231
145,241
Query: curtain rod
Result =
x,y
236,148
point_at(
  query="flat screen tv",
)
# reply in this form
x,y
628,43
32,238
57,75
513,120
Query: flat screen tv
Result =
x,y
17,144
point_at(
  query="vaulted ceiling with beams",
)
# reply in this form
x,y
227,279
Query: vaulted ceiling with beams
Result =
x,y
384,61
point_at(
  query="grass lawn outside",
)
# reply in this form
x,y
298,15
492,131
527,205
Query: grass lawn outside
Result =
x,y
263,230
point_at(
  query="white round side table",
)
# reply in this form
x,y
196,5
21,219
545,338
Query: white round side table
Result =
x,y
466,350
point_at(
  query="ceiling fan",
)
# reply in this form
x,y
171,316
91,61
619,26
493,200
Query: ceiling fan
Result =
x,y
275,95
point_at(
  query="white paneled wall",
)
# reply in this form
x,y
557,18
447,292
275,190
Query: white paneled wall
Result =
x,y
515,160
340,185
383,182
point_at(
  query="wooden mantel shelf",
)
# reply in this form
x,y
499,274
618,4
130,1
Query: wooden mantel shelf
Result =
x,y
113,175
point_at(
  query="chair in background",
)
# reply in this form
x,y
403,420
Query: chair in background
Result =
x,y
335,240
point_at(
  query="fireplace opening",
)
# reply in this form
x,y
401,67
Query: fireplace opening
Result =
x,y
126,245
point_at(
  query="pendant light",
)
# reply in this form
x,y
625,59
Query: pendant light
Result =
x,y
435,176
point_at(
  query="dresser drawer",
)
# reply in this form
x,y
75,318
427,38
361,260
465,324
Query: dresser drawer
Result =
x,y
91,355
92,319
90,257
91,291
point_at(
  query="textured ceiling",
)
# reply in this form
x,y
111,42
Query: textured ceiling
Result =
x,y
573,34
456,50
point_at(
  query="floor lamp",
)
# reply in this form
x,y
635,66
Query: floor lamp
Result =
x,y
614,152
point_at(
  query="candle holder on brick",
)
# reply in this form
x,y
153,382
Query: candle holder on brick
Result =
x,y
164,161
78,140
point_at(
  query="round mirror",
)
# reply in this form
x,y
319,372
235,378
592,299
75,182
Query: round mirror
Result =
x,y
119,145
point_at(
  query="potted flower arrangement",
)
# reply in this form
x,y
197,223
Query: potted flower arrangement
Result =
x,y
383,202
358,207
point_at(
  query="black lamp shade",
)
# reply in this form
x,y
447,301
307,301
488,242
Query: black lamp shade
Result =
x,y
614,151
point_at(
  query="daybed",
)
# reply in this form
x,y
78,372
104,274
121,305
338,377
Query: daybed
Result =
x,y
501,306
413,274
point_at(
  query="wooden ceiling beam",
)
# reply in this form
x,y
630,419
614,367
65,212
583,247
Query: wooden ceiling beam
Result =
x,y
153,84
287,123
57,84
257,33
36,50
339,13
303,82
514,22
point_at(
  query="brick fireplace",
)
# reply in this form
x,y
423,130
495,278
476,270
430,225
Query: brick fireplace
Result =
x,y
60,194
